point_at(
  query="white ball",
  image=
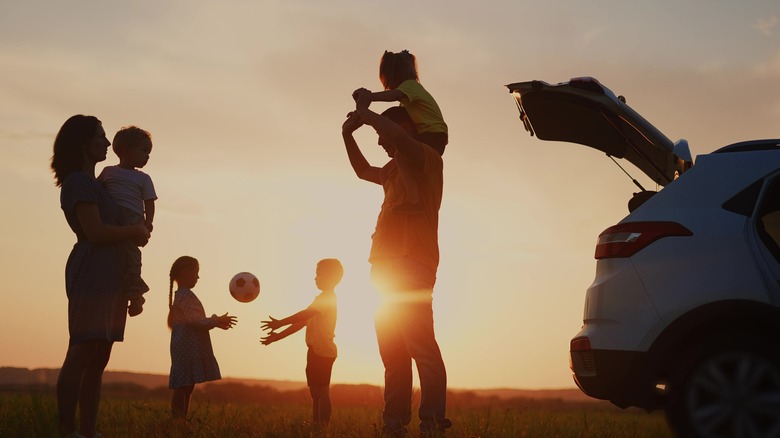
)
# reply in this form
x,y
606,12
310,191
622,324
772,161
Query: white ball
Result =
x,y
244,287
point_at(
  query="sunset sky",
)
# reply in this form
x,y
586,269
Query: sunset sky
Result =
x,y
245,101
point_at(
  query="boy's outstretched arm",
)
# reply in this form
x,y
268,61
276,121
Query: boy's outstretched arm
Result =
x,y
273,323
272,337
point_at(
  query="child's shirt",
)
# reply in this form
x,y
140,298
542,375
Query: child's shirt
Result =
x,y
321,328
129,187
422,108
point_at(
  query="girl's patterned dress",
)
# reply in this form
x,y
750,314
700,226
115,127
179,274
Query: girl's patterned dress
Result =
x,y
192,357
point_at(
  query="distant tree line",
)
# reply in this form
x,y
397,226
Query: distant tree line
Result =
x,y
341,395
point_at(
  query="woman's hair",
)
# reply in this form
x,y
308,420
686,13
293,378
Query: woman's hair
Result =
x,y
180,265
394,68
69,145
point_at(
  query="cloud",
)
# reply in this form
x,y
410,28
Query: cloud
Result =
x,y
770,67
591,35
766,25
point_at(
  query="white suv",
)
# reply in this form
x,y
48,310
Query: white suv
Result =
x,y
684,312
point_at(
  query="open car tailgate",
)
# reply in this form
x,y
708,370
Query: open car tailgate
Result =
x,y
585,112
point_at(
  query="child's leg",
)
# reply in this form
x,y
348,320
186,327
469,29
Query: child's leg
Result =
x,y
412,204
318,371
137,286
321,406
436,140
180,402
407,177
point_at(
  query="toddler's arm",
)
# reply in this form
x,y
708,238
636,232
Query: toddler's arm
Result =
x,y
380,96
388,96
149,214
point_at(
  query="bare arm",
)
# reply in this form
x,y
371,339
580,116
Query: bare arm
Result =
x,y
149,213
299,317
188,311
272,337
96,231
295,322
224,321
387,96
360,165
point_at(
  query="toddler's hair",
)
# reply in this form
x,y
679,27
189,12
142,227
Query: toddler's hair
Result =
x,y
332,268
130,136
394,68
180,265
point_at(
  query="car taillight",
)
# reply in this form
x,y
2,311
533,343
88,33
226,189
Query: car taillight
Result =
x,y
581,358
625,240
579,345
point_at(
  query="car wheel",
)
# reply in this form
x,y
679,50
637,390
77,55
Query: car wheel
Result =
x,y
732,392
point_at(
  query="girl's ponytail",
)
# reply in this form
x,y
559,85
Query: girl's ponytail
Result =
x,y
395,68
170,301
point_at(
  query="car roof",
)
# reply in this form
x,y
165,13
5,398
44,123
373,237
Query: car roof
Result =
x,y
752,145
716,178
584,111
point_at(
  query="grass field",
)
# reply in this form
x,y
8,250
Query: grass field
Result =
x,y
33,414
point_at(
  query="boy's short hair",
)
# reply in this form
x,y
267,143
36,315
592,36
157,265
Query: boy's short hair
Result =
x,y
333,268
130,136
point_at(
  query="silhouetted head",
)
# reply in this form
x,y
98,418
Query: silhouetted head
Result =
x,y
185,273
329,274
132,145
394,68
400,116
72,146
183,266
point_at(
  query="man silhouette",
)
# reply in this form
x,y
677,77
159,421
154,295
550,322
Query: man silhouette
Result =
x,y
404,259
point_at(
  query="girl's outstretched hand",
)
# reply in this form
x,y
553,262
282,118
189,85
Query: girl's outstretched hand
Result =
x,y
226,321
271,325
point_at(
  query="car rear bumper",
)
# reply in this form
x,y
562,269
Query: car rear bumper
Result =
x,y
618,376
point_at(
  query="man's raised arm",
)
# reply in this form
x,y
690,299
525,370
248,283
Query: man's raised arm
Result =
x,y
399,136
360,165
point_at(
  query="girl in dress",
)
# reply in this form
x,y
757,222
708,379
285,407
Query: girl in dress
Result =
x,y
192,357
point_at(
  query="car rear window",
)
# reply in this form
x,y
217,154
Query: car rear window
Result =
x,y
744,202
